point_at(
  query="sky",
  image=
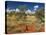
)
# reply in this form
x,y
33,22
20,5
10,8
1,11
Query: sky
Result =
x,y
30,5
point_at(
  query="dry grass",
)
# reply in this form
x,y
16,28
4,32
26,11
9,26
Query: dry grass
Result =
x,y
32,24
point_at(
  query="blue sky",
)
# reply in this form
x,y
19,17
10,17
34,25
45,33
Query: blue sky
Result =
x,y
30,5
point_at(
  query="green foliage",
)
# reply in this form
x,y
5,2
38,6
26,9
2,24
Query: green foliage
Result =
x,y
40,14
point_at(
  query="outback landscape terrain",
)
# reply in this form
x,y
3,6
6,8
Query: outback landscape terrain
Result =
x,y
28,23
25,21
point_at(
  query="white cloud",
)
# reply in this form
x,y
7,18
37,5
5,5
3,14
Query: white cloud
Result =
x,y
28,11
17,10
13,9
36,6
9,10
